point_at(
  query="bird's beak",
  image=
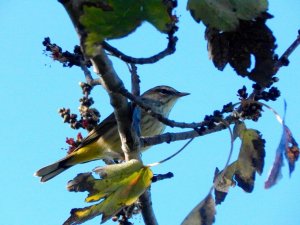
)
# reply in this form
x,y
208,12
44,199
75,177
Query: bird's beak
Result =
x,y
181,94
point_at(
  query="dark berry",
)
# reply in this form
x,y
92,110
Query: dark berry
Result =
x,y
275,79
256,87
227,108
243,92
284,61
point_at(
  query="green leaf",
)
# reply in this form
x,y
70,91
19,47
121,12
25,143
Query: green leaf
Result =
x,y
203,214
157,14
224,15
249,9
121,187
119,18
215,14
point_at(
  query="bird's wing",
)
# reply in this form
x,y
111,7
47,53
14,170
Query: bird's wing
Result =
x,y
98,131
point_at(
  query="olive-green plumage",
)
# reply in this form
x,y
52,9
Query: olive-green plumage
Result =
x,y
104,141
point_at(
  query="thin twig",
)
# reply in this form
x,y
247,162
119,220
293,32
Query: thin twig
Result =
x,y
67,58
171,48
171,137
159,177
173,155
88,76
135,80
230,151
283,60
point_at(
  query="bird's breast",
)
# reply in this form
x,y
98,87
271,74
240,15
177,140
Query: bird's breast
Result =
x,y
151,126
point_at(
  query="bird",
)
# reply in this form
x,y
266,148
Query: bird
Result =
x,y
103,142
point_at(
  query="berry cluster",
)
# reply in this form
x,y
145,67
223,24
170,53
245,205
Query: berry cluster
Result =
x,y
86,101
228,108
68,59
69,117
242,93
210,121
252,110
86,88
123,216
249,109
122,221
89,117
272,94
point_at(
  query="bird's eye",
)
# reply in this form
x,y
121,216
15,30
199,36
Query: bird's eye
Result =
x,y
165,91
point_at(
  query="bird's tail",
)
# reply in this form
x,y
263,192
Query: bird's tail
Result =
x,y
83,154
48,172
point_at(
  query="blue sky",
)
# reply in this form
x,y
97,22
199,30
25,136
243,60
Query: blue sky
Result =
x,y
33,87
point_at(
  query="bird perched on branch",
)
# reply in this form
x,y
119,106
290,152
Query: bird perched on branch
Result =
x,y
104,140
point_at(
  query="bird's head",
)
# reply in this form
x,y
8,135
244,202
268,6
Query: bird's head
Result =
x,y
164,97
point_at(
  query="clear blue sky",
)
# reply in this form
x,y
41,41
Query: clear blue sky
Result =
x,y
33,87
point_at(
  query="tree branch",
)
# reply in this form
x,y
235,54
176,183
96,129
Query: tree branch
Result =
x,y
171,48
112,83
88,76
135,80
128,135
179,136
283,60
145,199
147,209
160,177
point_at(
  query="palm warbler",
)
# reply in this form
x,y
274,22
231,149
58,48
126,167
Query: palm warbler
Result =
x,y
104,141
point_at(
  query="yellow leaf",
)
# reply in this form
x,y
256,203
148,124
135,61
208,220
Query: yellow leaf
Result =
x,y
114,169
121,186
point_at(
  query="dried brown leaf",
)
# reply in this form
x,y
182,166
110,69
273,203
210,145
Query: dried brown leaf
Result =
x,y
203,214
